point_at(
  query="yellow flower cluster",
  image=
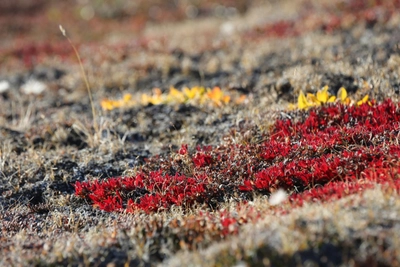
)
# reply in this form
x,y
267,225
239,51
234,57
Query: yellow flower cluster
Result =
x,y
126,101
194,95
322,97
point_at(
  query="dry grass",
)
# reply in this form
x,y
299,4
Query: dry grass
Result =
x,y
49,141
314,235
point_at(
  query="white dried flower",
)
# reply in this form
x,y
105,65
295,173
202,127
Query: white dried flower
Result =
x,y
33,87
277,197
4,86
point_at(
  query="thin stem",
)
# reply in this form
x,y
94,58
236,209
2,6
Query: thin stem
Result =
x,y
95,126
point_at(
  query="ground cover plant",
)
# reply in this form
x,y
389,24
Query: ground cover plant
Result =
x,y
331,144
204,133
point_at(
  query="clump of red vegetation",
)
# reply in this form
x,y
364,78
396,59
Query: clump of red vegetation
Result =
x,y
335,17
31,54
150,192
320,154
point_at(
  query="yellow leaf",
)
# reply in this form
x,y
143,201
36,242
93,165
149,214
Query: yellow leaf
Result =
x,y
156,100
291,106
145,99
226,99
175,96
157,97
191,93
323,95
313,100
331,99
200,90
241,99
362,101
107,104
347,101
126,101
127,98
342,95
216,95
302,102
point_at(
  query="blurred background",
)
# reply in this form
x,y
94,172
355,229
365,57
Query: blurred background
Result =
x,y
94,20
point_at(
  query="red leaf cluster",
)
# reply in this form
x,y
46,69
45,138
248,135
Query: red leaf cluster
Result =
x,y
144,192
321,154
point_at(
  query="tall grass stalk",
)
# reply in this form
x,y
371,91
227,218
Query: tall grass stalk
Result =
x,y
95,126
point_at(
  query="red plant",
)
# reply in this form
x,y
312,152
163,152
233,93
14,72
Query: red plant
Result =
x,y
202,159
327,152
183,150
229,225
142,192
